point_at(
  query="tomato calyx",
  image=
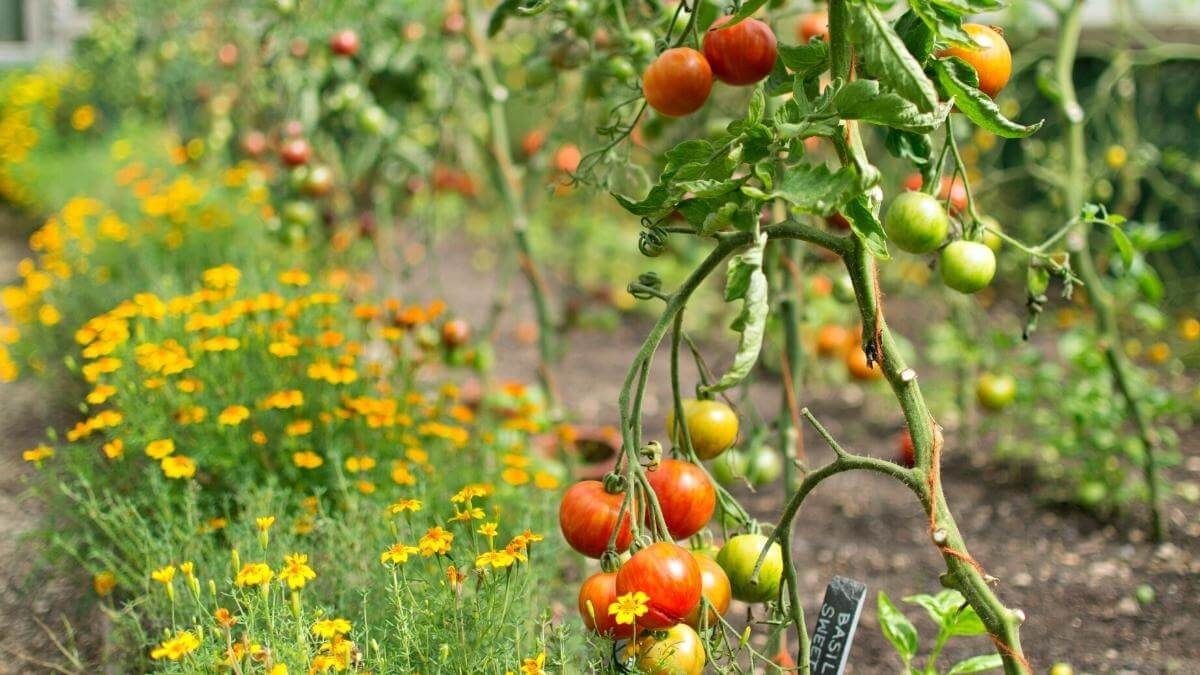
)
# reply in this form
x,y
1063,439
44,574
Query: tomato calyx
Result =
x,y
610,561
652,452
615,483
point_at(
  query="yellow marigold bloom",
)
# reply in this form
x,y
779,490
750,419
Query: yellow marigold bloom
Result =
x,y
517,460
178,466
514,476
467,514
455,577
307,459
470,492
331,628
299,428
435,541
83,117
104,583
49,315
365,486
258,437
264,523
495,559
100,394
160,448
114,449
401,475
629,607
359,463
190,415
294,277
38,454
417,455
545,481
282,349
1189,329
296,571
233,415
224,618
213,525
220,343
526,538
403,505
254,574
174,649
535,665
278,669
221,278
517,552
397,554
281,400
164,575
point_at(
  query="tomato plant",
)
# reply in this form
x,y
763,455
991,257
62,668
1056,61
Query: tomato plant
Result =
x,y
741,54
988,56
685,496
595,595
711,425
715,589
916,222
967,266
670,576
738,558
675,651
588,517
678,82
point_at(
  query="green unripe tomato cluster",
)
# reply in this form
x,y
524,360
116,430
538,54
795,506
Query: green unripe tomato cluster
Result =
x,y
738,556
916,222
967,266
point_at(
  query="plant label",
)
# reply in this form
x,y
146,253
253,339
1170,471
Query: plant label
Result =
x,y
836,624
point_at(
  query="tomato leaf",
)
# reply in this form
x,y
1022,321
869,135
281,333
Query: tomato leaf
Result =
x,y
746,281
865,100
977,664
897,628
917,36
889,57
807,60
941,22
867,227
747,10
916,148
966,622
956,77
814,189
508,8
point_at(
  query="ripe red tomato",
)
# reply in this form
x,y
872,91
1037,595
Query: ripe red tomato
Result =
x,y
566,158
454,23
992,61
813,25
678,82
953,191
908,454
455,333
588,515
595,595
295,152
967,266
685,495
712,426
292,128
669,575
227,55
856,362
678,651
714,587
532,142
832,339
344,43
916,222
742,54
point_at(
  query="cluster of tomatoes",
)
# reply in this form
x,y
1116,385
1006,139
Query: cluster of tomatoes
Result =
x,y
684,591
679,81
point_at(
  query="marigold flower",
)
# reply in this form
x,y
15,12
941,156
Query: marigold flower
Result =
x,y
114,449
455,577
331,628
403,505
436,541
104,583
296,571
254,574
397,554
359,463
178,466
546,481
307,459
264,523
629,607
497,559
164,575
534,666
38,454
224,617
488,529
294,277
467,514
514,476
174,649
221,278
160,448
233,415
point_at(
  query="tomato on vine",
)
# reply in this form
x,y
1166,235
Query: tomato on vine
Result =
x,y
295,152
741,54
916,222
686,496
995,392
832,339
729,467
813,25
318,181
588,516
991,60
714,588
712,426
967,266
595,595
676,651
678,82
856,363
344,43
738,557
669,575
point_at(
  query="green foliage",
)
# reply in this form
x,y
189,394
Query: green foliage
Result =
x,y
952,616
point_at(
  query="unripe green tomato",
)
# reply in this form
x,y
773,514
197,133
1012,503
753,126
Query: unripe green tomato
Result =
x,y
299,213
285,6
373,120
916,222
621,69
989,236
297,177
642,42
967,266
843,289
737,558
729,468
1062,669
764,466
712,426
995,392
484,357
1091,494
